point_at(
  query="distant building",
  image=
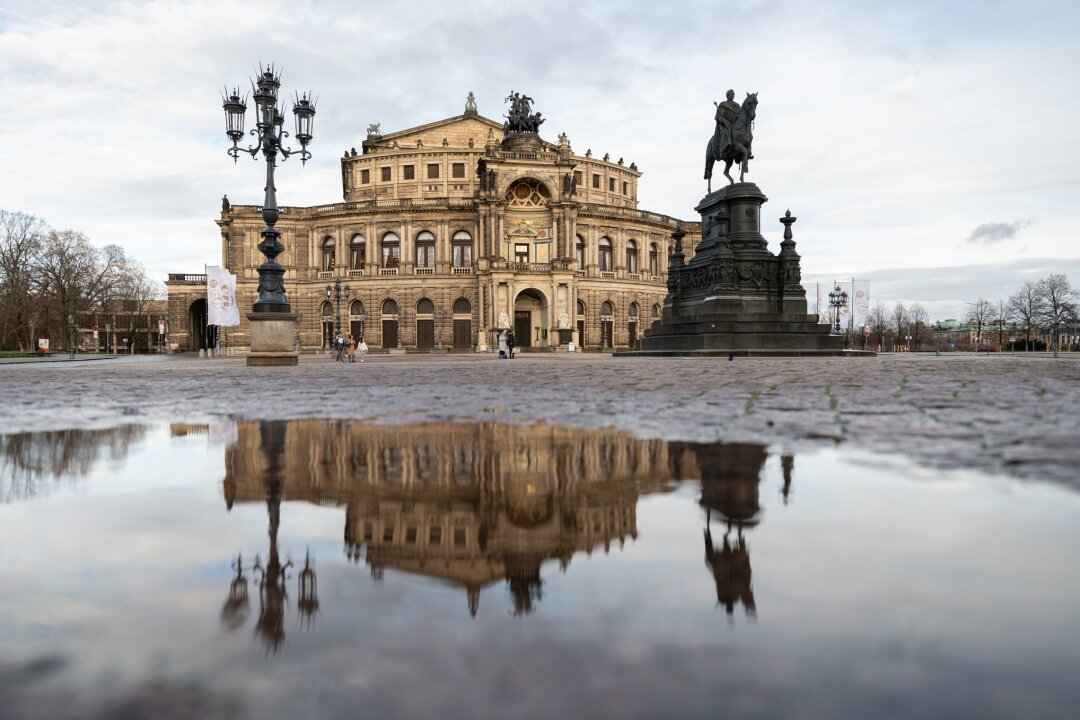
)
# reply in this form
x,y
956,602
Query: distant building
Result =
x,y
447,233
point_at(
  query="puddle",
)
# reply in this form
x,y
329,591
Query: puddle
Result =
x,y
310,567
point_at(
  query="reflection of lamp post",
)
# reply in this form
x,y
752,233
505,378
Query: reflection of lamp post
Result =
x,y
334,292
71,336
837,299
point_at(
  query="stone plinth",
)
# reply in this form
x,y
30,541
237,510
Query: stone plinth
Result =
x,y
273,339
735,297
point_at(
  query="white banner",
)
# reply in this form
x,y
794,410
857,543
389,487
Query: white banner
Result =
x,y
221,298
860,303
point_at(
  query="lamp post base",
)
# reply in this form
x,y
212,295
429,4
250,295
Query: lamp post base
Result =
x,y
273,339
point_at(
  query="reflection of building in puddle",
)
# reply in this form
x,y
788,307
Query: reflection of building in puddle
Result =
x,y
29,460
487,503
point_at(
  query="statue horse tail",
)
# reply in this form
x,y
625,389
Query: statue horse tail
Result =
x,y
711,156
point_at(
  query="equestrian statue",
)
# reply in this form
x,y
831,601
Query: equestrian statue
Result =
x,y
733,136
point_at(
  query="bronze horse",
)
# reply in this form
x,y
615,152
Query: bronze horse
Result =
x,y
738,149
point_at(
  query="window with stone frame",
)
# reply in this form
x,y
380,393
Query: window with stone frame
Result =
x,y
605,254
611,184
433,171
329,252
391,250
385,174
652,258
631,256
458,170
365,176
461,247
521,252
425,250
596,181
408,172
579,252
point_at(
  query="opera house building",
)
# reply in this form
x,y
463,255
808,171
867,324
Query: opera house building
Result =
x,y
447,233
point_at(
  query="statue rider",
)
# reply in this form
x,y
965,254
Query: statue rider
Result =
x,y
727,113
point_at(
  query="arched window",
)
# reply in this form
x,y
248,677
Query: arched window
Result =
x,y
631,256
425,307
605,254
328,253
579,252
633,312
528,192
327,310
357,252
356,309
580,308
461,247
425,250
389,307
391,250
656,312
607,310
652,258
462,307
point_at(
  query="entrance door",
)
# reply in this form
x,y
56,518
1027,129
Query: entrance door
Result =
x,y
462,334
580,334
356,329
425,334
523,328
632,331
389,334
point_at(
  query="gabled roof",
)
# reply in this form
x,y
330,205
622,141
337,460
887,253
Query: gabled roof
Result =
x,y
423,129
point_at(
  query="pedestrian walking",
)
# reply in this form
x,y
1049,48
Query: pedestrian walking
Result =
x,y
510,342
502,345
362,349
351,352
339,346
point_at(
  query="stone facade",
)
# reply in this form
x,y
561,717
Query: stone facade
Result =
x,y
449,232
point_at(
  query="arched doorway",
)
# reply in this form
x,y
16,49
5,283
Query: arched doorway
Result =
x,y
530,318
327,325
425,325
631,324
607,325
581,324
390,324
203,336
462,324
356,320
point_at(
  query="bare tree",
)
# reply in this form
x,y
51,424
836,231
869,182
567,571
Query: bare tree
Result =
x,y
21,238
1024,308
1059,305
878,320
1000,321
899,321
917,325
980,314
71,275
132,291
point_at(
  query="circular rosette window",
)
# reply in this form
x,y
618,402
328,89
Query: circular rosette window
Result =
x,y
528,192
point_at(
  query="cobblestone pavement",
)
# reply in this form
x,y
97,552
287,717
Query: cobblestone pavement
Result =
x,y
1015,415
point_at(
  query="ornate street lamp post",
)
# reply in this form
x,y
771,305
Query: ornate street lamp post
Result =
x,y
269,132
333,292
71,335
837,299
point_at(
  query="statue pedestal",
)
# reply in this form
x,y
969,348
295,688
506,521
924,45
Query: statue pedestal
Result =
x,y
735,297
565,336
273,339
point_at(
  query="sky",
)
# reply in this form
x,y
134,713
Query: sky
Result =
x,y
928,147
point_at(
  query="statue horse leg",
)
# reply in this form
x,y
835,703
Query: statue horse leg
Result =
x,y
727,170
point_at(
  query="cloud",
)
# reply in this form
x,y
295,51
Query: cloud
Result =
x,y
990,233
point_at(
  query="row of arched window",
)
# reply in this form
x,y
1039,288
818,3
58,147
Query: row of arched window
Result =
x,y
461,249
462,306
607,310
606,255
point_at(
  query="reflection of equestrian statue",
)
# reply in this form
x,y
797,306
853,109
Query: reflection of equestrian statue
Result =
x,y
732,144
521,117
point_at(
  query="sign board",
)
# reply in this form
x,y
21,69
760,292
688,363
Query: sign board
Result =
x,y
94,327
95,333
866,330
43,344
108,327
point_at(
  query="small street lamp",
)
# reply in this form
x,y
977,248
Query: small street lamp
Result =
x,y
269,133
908,337
837,299
333,292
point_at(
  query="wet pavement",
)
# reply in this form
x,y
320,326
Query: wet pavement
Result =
x,y
1001,414
330,568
